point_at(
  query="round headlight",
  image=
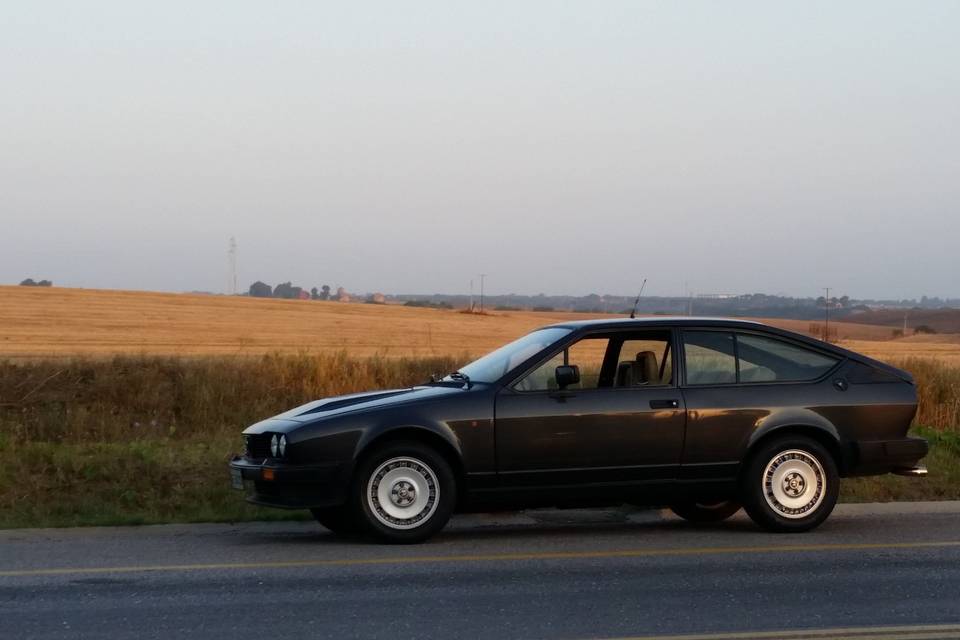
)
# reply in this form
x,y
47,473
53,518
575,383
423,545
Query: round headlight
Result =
x,y
282,447
274,445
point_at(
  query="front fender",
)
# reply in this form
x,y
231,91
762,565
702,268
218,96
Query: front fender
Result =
x,y
420,429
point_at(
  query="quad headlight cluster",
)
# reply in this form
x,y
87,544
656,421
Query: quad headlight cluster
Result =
x,y
278,445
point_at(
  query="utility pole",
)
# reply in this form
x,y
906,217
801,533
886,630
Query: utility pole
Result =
x,y
826,314
471,295
482,276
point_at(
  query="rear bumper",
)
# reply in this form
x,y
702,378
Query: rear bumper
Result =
x,y
293,486
874,457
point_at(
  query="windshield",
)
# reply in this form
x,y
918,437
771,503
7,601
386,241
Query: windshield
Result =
x,y
496,364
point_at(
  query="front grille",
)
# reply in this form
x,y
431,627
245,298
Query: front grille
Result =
x,y
258,446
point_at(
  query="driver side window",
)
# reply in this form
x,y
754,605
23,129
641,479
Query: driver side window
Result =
x,y
587,354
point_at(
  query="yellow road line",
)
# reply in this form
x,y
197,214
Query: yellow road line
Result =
x,y
910,632
494,557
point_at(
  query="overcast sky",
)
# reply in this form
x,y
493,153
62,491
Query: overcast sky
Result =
x,y
563,148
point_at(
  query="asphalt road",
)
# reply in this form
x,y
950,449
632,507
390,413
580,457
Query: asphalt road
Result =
x,y
872,571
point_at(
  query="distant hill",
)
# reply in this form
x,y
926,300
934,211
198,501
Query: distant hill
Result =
x,y
755,305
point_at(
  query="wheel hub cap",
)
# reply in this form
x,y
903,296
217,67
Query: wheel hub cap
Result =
x,y
403,493
794,483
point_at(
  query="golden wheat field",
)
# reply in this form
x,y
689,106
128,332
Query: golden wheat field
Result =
x,y
58,322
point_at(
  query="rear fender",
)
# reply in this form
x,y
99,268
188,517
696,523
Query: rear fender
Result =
x,y
795,420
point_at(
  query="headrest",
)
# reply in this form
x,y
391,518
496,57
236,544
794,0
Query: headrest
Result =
x,y
647,361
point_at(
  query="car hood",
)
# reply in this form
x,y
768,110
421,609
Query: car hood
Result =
x,y
339,405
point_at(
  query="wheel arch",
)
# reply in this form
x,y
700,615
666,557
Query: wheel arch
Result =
x,y
826,436
445,445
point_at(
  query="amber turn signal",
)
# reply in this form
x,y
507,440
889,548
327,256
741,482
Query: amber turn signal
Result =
x,y
267,474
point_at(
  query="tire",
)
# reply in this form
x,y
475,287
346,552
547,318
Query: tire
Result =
x,y
790,485
340,520
404,492
705,512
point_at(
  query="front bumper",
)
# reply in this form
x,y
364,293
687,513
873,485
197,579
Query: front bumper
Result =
x,y
885,456
290,486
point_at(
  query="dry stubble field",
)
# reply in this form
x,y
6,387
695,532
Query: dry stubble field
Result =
x,y
58,322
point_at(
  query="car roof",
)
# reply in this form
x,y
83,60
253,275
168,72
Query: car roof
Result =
x,y
728,323
682,321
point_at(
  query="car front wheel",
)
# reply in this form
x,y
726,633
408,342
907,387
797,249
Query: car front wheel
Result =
x,y
790,484
406,492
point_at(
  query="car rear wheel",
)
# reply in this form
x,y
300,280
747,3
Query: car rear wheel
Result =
x,y
405,491
705,512
790,484
340,520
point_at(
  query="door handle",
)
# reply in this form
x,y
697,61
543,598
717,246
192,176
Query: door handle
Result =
x,y
664,404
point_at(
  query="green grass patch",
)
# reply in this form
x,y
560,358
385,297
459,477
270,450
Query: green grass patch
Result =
x,y
168,480
142,482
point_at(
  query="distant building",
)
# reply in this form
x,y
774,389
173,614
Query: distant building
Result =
x,y
378,298
342,295
303,295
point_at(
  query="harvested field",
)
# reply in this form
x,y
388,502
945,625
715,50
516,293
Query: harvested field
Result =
x,y
58,322
941,348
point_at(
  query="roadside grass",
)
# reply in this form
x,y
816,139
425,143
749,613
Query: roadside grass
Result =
x,y
124,483
143,440
174,480
148,397
942,483
938,389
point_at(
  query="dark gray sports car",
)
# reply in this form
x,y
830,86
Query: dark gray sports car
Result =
x,y
701,415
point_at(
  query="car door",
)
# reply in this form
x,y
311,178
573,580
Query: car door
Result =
x,y
623,423
736,382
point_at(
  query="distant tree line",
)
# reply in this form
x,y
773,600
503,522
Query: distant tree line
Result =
x,y
30,282
742,305
428,304
288,291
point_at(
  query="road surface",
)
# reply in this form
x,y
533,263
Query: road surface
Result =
x,y
872,571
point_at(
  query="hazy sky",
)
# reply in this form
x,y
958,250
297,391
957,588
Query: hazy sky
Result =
x,y
559,147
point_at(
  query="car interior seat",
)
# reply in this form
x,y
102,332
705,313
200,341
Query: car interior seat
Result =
x,y
644,370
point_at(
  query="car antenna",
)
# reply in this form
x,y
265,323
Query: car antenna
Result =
x,y
633,312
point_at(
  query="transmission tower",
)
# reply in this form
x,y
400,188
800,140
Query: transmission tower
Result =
x,y
232,265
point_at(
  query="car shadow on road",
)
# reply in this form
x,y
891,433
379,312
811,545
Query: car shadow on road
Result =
x,y
555,524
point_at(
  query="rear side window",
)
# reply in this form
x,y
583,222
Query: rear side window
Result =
x,y
709,357
764,359
721,357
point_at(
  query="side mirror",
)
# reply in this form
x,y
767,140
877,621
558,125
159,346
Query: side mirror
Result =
x,y
567,375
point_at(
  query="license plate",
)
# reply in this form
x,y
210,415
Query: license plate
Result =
x,y
236,478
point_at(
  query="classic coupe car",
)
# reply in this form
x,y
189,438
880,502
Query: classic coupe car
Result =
x,y
702,415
